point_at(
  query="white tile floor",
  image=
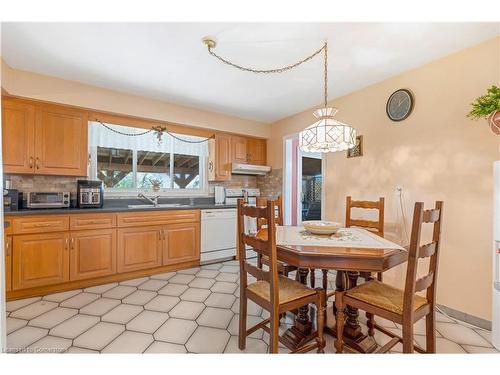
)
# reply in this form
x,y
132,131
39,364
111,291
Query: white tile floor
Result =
x,y
194,311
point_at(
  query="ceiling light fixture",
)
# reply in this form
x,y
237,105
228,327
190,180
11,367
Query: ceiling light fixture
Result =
x,y
326,134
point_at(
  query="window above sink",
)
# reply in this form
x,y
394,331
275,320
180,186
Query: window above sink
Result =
x,y
128,165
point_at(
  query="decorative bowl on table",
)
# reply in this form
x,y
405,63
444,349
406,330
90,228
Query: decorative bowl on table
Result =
x,y
321,227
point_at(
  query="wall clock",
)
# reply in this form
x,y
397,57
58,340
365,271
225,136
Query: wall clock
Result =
x,y
399,105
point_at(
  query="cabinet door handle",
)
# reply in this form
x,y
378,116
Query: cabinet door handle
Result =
x,y
66,243
159,235
7,248
89,222
31,162
72,242
37,163
43,225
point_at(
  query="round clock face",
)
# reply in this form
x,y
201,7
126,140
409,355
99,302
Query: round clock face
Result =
x,y
399,105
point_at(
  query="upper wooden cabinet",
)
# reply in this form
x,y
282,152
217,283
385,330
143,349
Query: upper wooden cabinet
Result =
x,y
226,149
257,151
18,136
219,161
239,151
44,139
61,141
248,150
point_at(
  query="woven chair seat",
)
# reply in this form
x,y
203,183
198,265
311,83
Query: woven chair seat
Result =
x,y
384,296
289,290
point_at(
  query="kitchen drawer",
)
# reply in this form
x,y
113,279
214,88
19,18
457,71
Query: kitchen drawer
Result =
x,y
134,219
40,224
92,221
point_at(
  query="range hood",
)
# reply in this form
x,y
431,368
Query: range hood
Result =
x,y
250,169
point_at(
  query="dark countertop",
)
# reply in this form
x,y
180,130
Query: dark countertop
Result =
x,y
121,205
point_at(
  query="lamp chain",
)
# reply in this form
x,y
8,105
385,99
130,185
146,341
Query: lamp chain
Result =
x,y
268,71
325,47
282,69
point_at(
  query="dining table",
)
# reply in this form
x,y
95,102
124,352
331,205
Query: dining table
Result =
x,y
350,252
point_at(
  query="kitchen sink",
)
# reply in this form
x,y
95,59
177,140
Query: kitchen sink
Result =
x,y
165,205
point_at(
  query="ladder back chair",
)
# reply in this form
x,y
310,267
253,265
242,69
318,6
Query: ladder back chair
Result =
x,y
283,268
404,307
273,292
375,226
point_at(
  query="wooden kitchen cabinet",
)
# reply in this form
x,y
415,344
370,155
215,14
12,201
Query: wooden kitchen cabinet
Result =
x,y
181,243
92,254
239,151
18,136
248,150
40,260
40,138
257,151
61,141
8,263
219,160
139,248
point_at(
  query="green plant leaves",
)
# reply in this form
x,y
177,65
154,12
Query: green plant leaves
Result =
x,y
483,106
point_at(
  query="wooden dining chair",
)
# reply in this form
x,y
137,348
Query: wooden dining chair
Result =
x,y
272,291
404,307
375,226
283,268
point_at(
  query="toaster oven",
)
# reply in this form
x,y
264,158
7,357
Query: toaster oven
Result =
x,y
59,199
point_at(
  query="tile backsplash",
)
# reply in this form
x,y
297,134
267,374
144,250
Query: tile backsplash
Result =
x,y
28,183
271,185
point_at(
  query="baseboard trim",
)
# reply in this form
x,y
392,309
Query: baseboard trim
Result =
x,y
467,318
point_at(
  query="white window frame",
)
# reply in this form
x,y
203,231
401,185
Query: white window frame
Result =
x,y
203,191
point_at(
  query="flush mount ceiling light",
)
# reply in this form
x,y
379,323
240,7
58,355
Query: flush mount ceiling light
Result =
x,y
324,135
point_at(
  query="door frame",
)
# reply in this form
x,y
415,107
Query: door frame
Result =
x,y
287,179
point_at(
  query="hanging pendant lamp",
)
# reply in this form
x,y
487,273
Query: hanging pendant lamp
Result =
x,y
326,134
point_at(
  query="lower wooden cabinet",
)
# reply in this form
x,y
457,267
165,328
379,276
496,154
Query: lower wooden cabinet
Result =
x,y
181,243
93,254
45,250
39,260
8,263
139,248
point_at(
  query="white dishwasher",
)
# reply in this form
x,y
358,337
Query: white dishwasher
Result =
x,y
218,235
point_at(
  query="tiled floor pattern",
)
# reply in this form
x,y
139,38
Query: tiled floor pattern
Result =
x,y
194,310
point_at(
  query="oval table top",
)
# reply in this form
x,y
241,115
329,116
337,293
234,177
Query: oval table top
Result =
x,y
338,258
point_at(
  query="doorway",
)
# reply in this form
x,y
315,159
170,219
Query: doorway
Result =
x,y
303,183
312,181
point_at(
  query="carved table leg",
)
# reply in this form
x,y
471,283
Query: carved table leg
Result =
x,y
302,321
300,333
353,336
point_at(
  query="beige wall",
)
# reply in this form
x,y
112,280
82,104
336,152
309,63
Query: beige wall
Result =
x,y
437,153
36,86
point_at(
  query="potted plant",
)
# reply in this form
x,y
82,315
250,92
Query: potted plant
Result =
x,y
488,107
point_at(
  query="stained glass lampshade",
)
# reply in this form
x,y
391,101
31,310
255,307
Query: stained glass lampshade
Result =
x,y
327,134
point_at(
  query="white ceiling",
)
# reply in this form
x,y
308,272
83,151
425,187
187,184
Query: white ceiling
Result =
x,y
167,61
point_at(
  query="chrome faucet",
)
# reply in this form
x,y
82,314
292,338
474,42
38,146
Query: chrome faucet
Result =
x,y
153,200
